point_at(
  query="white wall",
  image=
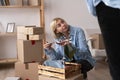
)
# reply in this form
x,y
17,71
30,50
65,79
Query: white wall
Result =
x,y
73,11
21,16
8,47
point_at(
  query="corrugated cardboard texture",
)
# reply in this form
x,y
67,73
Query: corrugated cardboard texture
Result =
x,y
27,71
29,51
97,41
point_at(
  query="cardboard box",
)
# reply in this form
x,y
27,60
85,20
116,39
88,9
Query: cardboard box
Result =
x,y
27,71
31,71
22,37
97,41
30,30
30,51
23,29
30,37
35,30
36,37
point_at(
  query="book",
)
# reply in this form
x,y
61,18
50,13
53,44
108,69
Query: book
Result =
x,y
2,2
34,2
15,2
7,2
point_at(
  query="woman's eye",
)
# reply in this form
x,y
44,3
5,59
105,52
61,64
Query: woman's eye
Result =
x,y
58,25
62,22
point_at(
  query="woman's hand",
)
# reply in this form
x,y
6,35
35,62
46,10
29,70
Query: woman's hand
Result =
x,y
47,45
63,42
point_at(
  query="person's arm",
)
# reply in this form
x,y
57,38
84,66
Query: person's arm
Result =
x,y
81,43
91,7
53,53
49,51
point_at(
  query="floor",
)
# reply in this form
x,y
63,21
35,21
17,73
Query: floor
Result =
x,y
6,70
100,72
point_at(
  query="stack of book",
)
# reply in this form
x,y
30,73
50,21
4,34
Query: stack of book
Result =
x,y
19,2
11,2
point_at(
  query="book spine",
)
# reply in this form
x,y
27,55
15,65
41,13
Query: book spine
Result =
x,y
2,2
7,2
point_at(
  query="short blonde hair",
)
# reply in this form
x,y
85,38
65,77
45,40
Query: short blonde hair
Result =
x,y
53,26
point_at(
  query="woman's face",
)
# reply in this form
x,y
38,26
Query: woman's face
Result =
x,y
62,26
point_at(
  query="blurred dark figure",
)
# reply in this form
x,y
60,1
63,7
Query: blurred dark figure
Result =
x,y
108,15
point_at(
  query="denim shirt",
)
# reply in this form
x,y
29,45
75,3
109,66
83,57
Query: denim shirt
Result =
x,y
91,4
78,42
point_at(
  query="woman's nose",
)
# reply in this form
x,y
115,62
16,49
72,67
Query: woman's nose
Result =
x,y
62,25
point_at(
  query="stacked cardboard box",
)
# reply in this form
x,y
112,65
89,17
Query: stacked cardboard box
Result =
x,y
30,43
27,71
29,49
29,33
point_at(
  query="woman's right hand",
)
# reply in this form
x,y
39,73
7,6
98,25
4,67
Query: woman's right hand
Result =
x,y
63,42
47,45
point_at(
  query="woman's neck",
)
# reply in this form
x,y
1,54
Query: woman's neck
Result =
x,y
66,34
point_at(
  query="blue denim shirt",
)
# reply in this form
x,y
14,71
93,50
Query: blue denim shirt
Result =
x,y
78,42
91,4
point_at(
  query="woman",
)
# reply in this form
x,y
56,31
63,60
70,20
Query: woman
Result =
x,y
65,34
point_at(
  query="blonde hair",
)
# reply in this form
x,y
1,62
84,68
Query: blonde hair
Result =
x,y
53,26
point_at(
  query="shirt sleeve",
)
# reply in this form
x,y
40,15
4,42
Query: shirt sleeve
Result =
x,y
51,53
54,53
81,44
91,7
